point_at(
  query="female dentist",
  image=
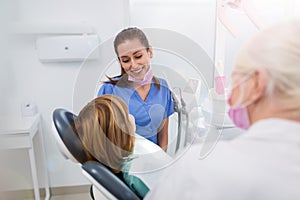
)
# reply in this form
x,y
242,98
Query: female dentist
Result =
x,y
148,98
263,163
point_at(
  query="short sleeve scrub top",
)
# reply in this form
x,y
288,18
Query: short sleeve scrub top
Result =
x,y
148,114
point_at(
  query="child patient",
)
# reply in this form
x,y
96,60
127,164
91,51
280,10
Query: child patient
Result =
x,y
106,131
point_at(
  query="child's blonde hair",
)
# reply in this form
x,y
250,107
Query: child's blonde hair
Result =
x,y
105,131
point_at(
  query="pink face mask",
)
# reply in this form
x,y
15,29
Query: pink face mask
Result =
x,y
146,80
239,114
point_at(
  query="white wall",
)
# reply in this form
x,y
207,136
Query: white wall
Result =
x,y
195,19
50,86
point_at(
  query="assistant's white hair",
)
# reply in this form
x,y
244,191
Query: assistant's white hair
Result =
x,y
277,49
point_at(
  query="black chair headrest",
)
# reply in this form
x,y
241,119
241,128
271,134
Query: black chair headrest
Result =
x,y
63,121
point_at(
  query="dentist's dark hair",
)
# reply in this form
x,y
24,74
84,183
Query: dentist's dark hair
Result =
x,y
126,34
130,34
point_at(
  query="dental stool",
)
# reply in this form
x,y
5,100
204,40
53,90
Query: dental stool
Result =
x,y
106,185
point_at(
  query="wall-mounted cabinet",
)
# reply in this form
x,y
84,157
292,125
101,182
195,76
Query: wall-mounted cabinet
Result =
x,y
51,28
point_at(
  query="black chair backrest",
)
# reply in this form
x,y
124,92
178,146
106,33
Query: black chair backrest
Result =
x,y
63,121
109,181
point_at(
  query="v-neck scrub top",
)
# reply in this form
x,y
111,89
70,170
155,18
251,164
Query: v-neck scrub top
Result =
x,y
148,114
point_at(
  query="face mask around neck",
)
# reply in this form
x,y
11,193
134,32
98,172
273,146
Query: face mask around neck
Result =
x,y
146,80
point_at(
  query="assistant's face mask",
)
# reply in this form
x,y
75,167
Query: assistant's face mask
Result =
x,y
239,113
146,80
239,116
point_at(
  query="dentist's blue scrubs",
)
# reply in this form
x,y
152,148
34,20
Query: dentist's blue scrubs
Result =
x,y
148,114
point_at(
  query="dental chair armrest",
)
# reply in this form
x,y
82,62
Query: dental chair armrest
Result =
x,y
109,181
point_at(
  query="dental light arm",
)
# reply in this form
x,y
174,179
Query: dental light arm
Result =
x,y
180,108
237,5
221,12
184,111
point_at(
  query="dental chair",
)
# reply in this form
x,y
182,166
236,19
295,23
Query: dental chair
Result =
x,y
106,184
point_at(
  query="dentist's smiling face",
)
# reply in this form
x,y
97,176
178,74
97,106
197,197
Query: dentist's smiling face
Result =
x,y
134,58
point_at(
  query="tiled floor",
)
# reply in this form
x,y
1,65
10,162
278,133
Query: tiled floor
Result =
x,y
80,196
